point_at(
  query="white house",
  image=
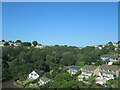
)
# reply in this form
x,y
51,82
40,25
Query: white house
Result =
x,y
17,44
33,75
107,72
102,80
44,80
111,71
98,47
113,58
105,57
11,43
88,71
115,44
39,46
1,44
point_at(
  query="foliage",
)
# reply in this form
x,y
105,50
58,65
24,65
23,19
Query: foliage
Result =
x,y
6,44
35,43
80,63
114,83
19,61
18,41
65,80
99,62
116,63
26,44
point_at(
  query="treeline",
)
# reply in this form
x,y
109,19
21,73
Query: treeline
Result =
x,y
18,62
20,43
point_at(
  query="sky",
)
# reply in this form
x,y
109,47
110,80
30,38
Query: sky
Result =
x,y
61,23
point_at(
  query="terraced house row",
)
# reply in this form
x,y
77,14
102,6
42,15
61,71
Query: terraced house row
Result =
x,y
111,58
103,73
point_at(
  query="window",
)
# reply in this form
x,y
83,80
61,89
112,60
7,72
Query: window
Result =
x,y
114,76
113,71
103,70
35,74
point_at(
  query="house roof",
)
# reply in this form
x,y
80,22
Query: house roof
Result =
x,y
36,71
90,67
75,67
45,79
105,55
110,67
114,56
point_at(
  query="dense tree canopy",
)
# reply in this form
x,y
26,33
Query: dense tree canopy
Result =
x,y
35,43
19,61
18,41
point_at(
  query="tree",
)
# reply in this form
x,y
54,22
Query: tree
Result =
x,y
6,44
26,44
6,75
18,41
114,83
10,40
68,58
110,43
80,63
3,40
65,80
35,43
99,62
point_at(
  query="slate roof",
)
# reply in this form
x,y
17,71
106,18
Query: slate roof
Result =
x,y
105,55
45,79
110,67
75,67
37,72
89,67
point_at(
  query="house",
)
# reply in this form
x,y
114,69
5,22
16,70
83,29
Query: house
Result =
x,y
17,44
1,44
115,44
116,54
98,47
110,63
113,58
110,58
39,46
44,80
103,45
87,71
105,57
117,48
34,74
107,72
10,43
101,80
80,47
73,69
111,71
